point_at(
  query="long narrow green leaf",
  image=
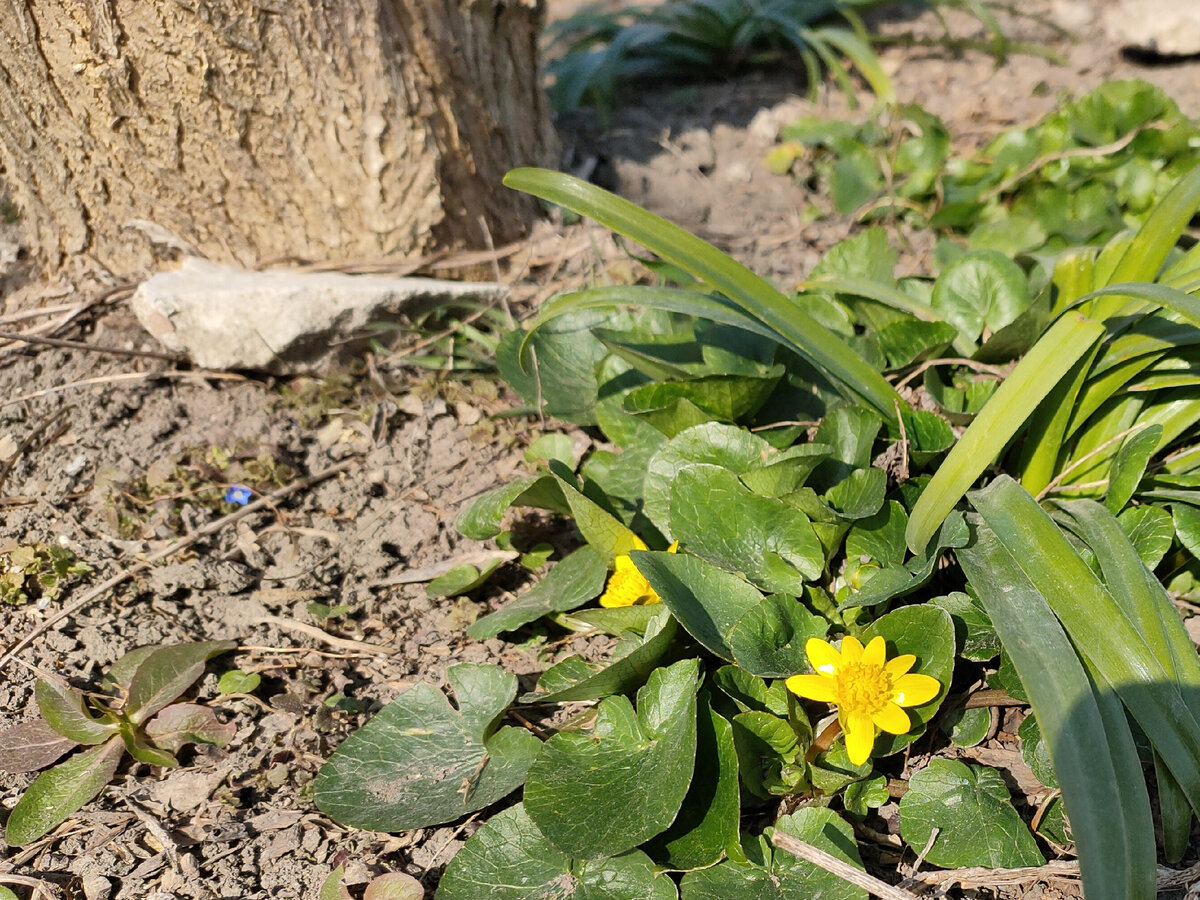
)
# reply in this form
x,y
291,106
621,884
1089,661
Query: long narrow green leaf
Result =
x,y
1098,626
872,290
1157,236
1049,360
863,57
753,294
1093,753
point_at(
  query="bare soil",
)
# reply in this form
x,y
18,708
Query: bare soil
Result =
x,y
87,427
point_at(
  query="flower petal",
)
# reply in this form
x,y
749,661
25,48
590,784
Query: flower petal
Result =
x,y
898,666
638,544
852,649
813,687
875,652
913,690
624,563
674,548
627,587
860,738
823,656
892,719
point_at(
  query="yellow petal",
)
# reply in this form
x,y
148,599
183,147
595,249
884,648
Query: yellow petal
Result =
x,y
913,690
892,719
875,652
627,587
823,656
813,687
638,544
860,738
898,666
624,563
674,548
852,649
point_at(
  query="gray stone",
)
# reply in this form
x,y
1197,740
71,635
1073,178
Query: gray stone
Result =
x,y
1167,27
281,320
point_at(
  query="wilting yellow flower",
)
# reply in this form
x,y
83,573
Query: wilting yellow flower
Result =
x,y
627,586
867,688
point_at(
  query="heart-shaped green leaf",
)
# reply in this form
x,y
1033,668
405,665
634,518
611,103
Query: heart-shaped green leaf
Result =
x,y
510,859
605,792
420,762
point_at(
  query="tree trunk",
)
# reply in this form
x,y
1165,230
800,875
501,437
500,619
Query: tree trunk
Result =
x,y
254,130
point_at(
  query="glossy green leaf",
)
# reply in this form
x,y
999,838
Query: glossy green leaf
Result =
x,y
482,518
59,792
573,581
420,762
976,822
859,495
860,797
605,792
783,876
1129,466
720,520
576,679
983,289
462,579
604,533
769,639
509,859
1084,729
707,824
1150,529
1035,753
762,301
967,727
706,600
973,632
714,443
879,537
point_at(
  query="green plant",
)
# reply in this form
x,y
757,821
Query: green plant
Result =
x,y
770,512
37,572
702,38
134,711
1081,175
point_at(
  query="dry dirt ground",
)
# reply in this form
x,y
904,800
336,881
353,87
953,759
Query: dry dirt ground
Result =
x,y
83,432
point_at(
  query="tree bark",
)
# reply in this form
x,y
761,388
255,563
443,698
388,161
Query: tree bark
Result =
x,y
254,130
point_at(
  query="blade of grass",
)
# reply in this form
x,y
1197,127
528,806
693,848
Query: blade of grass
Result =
x,y
1089,741
749,291
1098,626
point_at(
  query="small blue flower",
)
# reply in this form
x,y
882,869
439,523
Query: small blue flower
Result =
x,y
238,495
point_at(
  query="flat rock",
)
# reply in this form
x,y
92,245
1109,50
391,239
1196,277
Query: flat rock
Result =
x,y
1165,27
282,321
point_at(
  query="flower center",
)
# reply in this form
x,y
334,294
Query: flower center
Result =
x,y
863,689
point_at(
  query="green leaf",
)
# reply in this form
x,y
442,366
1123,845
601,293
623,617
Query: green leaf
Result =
x,y
419,762
1129,466
606,534
859,495
783,876
1150,530
462,579
1084,729
973,632
719,519
909,341
879,537
707,601
707,824
562,382
721,445
976,822
573,581
769,639
927,632
482,518
603,793
59,792
967,727
236,681
749,692
754,295
863,796
983,289
166,673
1035,753
509,859
394,886
65,710
576,679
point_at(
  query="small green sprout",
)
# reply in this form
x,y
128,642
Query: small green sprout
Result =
x,y
37,572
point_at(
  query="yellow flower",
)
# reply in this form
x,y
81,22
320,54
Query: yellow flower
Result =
x,y
627,586
867,688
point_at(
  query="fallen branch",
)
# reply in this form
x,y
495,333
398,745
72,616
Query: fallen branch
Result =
x,y
842,870
171,549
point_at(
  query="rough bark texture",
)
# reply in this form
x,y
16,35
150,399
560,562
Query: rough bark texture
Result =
x,y
255,130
